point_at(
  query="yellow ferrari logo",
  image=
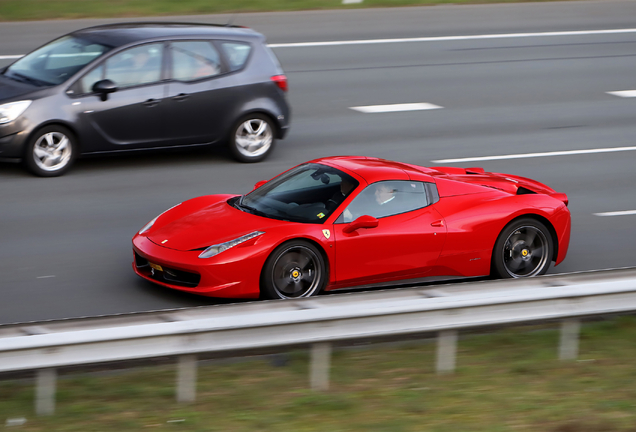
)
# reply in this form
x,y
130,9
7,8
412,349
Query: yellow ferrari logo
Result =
x,y
326,233
524,252
296,273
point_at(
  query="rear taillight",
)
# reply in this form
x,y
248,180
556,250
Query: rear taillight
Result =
x,y
281,82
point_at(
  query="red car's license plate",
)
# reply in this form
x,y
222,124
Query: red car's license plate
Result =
x,y
155,266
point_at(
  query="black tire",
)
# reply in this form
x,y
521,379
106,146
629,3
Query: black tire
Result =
x,y
252,138
295,269
523,249
51,151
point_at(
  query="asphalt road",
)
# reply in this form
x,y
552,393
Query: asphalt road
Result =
x,y
65,242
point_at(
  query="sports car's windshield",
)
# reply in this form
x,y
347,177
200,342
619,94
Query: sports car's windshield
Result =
x,y
308,193
55,62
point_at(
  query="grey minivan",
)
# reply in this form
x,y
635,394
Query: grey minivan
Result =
x,y
142,86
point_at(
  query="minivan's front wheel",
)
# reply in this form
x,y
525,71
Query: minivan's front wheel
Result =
x,y
51,151
252,138
524,249
295,269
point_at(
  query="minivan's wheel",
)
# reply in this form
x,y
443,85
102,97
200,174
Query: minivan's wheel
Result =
x,y
295,269
523,249
252,138
51,151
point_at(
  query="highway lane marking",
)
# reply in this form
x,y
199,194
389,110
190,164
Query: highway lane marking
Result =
x,y
429,39
372,109
624,93
452,38
617,213
535,155
45,277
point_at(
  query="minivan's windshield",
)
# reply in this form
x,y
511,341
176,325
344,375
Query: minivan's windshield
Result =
x,y
308,193
55,62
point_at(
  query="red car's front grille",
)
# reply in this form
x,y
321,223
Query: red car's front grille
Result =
x,y
164,274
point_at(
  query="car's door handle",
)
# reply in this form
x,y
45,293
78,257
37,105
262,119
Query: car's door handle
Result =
x,y
438,223
180,97
151,102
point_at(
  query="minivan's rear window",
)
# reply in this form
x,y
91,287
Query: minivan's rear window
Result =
x,y
236,53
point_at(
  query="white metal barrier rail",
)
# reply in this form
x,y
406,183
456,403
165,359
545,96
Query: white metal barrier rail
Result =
x,y
316,321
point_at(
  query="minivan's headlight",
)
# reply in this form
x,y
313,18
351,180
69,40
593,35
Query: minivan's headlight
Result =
x,y
217,249
11,111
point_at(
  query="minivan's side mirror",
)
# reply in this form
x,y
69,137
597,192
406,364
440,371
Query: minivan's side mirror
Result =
x,y
365,221
103,88
259,184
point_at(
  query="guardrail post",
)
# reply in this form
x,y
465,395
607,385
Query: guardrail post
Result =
x,y
446,351
186,378
45,382
320,363
569,344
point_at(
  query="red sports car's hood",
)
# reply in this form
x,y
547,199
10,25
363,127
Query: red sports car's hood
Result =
x,y
207,225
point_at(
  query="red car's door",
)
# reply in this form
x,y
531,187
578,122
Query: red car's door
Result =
x,y
402,246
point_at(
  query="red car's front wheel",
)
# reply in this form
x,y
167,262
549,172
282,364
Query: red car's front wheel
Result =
x,y
295,269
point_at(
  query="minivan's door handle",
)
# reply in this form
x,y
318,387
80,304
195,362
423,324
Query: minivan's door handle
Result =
x,y
439,223
151,102
180,97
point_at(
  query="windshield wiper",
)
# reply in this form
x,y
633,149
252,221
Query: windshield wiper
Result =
x,y
25,78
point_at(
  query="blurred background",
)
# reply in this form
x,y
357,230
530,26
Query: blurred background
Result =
x,y
526,88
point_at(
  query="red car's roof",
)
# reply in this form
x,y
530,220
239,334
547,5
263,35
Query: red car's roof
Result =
x,y
376,169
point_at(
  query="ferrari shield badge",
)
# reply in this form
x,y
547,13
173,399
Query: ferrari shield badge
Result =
x,y
326,233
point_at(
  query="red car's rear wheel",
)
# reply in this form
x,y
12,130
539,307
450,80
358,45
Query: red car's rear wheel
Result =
x,y
524,249
295,269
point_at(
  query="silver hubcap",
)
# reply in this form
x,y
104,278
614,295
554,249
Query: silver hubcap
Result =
x,y
52,151
254,138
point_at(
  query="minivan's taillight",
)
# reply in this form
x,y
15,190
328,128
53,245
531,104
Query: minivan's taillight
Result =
x,y
281,81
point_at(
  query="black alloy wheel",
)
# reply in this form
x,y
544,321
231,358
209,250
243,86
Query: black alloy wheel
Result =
x,y
524,249
295,269
51,151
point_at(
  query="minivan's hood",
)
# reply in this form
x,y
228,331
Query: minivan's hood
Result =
x,y
209,225
10,89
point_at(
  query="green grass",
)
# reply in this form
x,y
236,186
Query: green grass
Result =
x,y
505,381
22,10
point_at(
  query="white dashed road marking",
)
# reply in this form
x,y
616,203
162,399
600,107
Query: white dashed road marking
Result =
x,y
395,107
535,155
430,39
624,93
617,213
452,38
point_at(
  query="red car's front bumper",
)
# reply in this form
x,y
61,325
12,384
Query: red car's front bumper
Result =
x,y
232,275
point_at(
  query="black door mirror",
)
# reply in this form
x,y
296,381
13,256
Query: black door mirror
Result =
x,y
104,87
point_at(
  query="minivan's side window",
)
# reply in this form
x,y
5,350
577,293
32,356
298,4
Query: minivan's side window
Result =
x,y
135,66
386,198
192,60
236,53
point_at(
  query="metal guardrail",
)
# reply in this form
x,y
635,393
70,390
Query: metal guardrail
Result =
x,y
314,321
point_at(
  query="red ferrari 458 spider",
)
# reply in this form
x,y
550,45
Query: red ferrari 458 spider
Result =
x,y
342,222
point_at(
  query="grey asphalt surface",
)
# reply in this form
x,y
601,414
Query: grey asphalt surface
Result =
x,y
65,242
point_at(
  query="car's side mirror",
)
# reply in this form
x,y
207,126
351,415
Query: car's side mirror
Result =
x,y
259,184
103,88
365,221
